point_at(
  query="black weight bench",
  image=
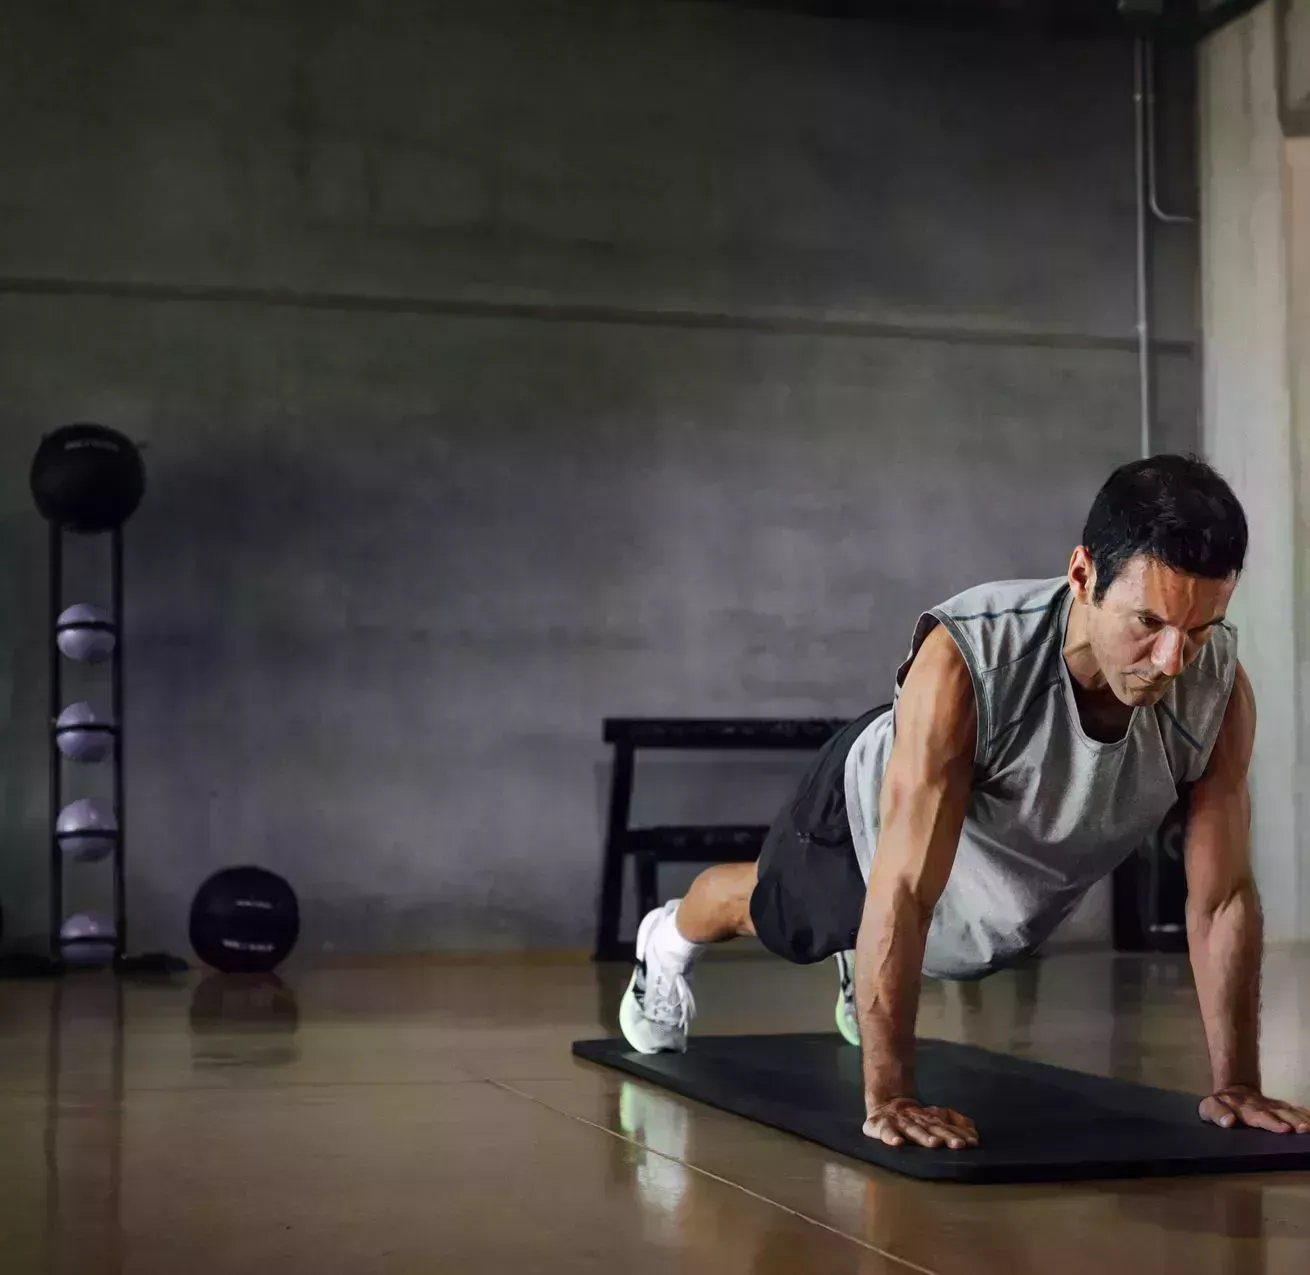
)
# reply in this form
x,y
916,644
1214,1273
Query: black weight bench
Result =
x,y
683,843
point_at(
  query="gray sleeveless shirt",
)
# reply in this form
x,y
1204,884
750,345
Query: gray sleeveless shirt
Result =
x,y
1052,811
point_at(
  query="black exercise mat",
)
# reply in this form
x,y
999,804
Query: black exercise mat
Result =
x,y
1036,1123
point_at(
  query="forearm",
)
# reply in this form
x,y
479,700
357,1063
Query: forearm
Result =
x,y
888,964
1226,944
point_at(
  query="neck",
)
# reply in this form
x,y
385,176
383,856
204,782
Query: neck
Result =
x,y
1102,714
1084,671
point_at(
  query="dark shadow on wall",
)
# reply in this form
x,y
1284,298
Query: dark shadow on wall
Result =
x,y
24,767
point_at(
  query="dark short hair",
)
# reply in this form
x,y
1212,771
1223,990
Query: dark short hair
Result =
x,y
1175,509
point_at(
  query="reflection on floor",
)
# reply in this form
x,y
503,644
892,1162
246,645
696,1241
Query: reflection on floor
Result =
x,y
429,1117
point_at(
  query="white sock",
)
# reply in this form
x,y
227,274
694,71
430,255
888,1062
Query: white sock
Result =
x,y
669,948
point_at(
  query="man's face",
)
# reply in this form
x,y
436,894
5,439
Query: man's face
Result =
x,y
1151,624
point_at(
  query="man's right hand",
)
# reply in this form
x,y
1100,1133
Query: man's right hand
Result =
x,y
925,795
901,1120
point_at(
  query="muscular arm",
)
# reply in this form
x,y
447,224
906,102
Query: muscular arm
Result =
x,y
1225,931
923,800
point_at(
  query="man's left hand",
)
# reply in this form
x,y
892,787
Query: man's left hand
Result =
x,y
1242,1105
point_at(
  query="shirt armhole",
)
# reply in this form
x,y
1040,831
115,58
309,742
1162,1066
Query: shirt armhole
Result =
x,y
928,621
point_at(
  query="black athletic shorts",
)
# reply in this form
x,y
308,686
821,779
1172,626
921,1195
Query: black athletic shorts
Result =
x,y
810,893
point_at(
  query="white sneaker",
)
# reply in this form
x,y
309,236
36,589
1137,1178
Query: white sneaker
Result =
x,y
848,1020
658,1006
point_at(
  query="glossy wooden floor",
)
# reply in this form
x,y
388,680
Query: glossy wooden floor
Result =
x,y
429,1118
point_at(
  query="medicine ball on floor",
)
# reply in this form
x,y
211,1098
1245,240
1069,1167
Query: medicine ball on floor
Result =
x,y
87,478
244,921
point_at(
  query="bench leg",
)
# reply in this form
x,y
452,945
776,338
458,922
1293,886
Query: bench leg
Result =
x,y
647,884
608,947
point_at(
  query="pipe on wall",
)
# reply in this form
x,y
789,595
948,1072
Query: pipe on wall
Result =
x,y
1143,282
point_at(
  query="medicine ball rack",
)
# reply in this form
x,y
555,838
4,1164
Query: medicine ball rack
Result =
x,y
56,849
151,962
87,479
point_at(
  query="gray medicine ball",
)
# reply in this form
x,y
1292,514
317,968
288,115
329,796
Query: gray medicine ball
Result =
x,y
83,734
86,633
87,830
87,939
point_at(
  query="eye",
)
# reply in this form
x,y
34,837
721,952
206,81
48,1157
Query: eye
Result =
x,y
1148,621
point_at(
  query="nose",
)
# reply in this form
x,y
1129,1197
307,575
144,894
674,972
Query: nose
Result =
x,y
1169,655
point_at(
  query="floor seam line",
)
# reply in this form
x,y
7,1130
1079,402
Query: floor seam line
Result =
x,y
714,1177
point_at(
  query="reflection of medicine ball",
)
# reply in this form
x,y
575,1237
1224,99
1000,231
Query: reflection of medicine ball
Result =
x,y
86,830
256,1001
244,920
83,734
244,1020
87,478
86,633
87,939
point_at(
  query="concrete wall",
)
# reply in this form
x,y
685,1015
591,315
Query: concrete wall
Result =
x,y
1295,50
1256,237
505,365
1296,179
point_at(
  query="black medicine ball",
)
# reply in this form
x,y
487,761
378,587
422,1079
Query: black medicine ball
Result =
x,y
87,478
244,921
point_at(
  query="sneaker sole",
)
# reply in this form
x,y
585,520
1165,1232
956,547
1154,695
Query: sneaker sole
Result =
x,y
850,1035
630,1015
841,1020
630,1020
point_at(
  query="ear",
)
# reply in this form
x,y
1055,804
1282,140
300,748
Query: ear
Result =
x,y
1082,575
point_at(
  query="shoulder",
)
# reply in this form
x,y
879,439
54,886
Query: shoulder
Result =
x,y
998,599
1217,661
1000,622
1203,691
936,723
1230,759
1196,706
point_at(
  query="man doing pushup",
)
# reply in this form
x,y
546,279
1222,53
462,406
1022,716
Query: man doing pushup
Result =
x,y
1041,731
